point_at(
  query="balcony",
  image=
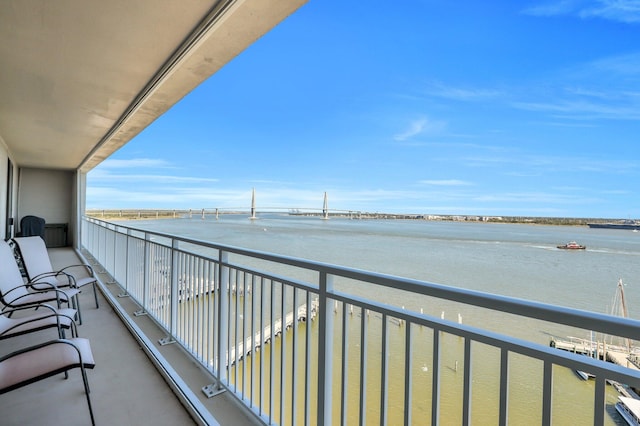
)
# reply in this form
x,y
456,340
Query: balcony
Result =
x,y
126,388
192,336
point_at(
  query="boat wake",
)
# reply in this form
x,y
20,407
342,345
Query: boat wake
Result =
x,y
616,252
544,247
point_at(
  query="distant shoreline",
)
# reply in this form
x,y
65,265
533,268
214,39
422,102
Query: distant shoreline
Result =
x,y
139,214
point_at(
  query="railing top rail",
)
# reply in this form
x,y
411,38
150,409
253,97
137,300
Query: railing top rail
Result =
x,y
588,320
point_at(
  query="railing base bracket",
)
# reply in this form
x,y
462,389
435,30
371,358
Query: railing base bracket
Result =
x,y
123,295
140,313
210,390
166,341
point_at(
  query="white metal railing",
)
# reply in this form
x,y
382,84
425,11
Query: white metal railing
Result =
x,y
302,342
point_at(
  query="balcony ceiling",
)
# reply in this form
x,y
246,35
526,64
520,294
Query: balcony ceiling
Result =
x,y
80,78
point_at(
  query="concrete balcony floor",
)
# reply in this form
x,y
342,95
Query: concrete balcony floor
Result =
x,y
126,388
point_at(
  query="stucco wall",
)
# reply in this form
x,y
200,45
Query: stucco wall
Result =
x,y
47,194
4,158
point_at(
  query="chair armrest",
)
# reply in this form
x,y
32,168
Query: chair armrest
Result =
x,y
9,311
32,292
21,322
28,287
42,345
38,278
88,268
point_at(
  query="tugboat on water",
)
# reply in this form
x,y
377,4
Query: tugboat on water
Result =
x,y
572,245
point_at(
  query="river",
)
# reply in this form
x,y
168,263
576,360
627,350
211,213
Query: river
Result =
x,y
517,260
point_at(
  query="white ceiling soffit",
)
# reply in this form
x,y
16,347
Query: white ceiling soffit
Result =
x,y
81,78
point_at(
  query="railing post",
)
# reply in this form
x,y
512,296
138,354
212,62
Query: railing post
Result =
x,y
307,364
504,387
147,272
384,372
466,397
223,317
114,272
145,275
364,321
126,265
174,295
103,254
435,384
408,377
599,401
325,352
547,389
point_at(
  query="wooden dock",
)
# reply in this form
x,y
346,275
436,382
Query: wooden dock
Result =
x,y
593,349
577,346
237,353
619,355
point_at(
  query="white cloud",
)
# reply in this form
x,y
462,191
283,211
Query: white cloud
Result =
x,y
104,176
420,126
607,88
112,170
528,165
460,94
134,163
627,11
170,198
446,182
533,197
415,128
621,65
553,8
616,10
582,109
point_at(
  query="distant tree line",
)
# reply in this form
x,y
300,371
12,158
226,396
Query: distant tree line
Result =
x,y
167,213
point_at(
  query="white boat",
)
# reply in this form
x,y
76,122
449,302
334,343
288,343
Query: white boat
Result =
x,y
629,409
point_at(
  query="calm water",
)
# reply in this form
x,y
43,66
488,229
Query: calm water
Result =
x,y
507,259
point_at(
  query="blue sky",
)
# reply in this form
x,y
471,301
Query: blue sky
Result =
x,y
421,106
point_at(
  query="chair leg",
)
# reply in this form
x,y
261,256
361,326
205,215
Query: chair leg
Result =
x,y
87,391
95,294
76,306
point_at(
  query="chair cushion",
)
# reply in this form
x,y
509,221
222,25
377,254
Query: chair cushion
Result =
x,y
36,364
34,255
42,297
84,281
43,318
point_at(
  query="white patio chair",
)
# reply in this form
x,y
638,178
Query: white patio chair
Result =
x,y
46,317
15,293
38,362
37,265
